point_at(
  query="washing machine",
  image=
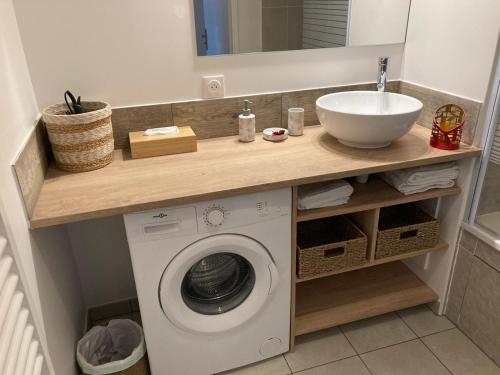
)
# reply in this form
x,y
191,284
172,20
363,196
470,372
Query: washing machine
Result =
x,y
213,281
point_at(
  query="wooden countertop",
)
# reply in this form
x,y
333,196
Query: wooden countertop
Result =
x,y
222,167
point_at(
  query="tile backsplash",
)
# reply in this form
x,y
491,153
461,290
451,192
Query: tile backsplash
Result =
x,y
219,117
126,120
282,26
31,166
433,99
474,298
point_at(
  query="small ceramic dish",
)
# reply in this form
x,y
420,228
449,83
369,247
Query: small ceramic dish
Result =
x,y
275,134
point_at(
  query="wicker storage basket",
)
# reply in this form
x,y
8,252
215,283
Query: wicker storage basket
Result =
x,y
403,229
329,245
81,142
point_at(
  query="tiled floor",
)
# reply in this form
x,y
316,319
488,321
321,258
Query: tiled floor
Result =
x,y
410,342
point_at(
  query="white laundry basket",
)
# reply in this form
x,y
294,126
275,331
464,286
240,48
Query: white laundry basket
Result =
x,y
111,349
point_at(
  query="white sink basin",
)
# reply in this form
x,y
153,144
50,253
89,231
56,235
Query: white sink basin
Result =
x,y
367,119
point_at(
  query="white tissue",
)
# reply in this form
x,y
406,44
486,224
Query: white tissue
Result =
x,y
162,131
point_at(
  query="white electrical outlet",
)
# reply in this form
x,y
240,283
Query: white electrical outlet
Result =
x,y
213,87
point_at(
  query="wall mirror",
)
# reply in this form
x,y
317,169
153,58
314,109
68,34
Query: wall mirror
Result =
x,y
245,26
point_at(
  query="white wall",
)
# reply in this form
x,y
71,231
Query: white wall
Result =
x,y
44,258
17,115
102,256
60,294
133,52
451,45
374,22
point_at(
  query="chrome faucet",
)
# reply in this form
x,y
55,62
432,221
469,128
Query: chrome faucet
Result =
x,y
383,62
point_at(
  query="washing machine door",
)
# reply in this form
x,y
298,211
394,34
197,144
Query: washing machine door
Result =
x,y
217,283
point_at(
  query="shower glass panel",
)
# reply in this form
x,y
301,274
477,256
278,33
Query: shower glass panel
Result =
x,y
488,206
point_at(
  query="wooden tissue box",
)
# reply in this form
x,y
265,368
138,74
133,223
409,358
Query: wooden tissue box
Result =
x,y
145,146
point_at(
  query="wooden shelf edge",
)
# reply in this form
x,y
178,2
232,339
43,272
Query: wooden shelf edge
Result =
x,y
363,294
302,327
441,246
349,208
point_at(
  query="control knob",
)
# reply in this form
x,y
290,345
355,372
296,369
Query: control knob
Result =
x,y
214,216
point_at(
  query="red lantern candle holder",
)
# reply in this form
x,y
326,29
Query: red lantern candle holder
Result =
x,y
447,127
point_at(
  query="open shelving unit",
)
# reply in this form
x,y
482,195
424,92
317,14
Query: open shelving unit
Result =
x,y
372,195
343,298
376,287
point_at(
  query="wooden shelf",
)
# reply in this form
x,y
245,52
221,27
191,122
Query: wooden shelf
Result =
x,y
374,194
344,298
441,246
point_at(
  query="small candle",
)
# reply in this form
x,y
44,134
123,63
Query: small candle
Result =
x,y
296,121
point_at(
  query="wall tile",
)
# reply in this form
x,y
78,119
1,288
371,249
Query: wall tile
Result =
x,y
219,117
126,120
433,99
480,317
468,241
488,255
490,199
307,99
295,27
31,166
273,3
459,284
282,3
274,29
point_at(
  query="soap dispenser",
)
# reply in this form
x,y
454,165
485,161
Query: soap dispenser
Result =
x,y
247,123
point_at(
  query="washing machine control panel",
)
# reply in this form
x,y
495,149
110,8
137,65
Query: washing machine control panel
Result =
x,y
208,217
227,213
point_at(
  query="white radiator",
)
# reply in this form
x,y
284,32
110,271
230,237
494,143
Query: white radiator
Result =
x,y
325,23
19,348
495,148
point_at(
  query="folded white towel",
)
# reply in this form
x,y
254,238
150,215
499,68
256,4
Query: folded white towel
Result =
x,y
331,203
324,195
427,173
420,179
408,190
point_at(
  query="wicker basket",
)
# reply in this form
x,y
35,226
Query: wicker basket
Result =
x,y
329,245
403,229
81,142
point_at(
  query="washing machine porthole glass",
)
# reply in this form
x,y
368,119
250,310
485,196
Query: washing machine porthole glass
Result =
x,y
218,283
